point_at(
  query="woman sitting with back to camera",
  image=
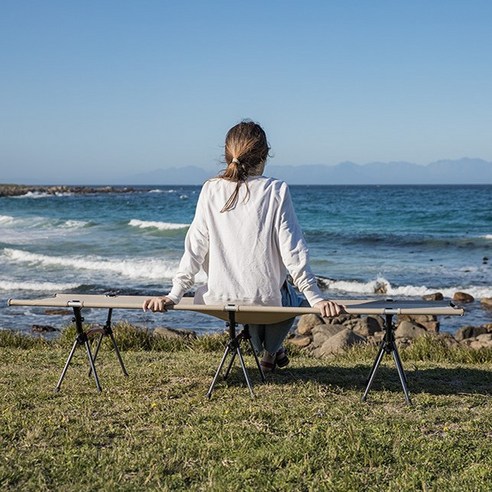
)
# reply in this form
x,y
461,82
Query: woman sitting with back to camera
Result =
x,y
246,237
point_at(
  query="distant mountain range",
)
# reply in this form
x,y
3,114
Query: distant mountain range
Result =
x,y
460,171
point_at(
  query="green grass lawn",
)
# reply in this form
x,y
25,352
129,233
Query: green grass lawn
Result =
x,y
305,430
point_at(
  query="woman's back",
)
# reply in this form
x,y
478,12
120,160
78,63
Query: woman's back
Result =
x,y
244,261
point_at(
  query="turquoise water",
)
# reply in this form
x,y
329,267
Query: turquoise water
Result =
x,y
404,240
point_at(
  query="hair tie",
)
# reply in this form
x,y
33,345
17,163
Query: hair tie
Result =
x,y
235,161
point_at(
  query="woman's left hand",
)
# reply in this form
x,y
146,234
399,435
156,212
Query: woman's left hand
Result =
x,y
329,308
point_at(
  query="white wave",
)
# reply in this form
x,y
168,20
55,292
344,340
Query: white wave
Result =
x,y
162,191
35,286
6,219
152,269
487,236
34,194
183,197
383,286
162,226
74,224
42,194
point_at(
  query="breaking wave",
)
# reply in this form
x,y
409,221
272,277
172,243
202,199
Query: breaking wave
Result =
x,y
149,269
36,286
382,286
162,226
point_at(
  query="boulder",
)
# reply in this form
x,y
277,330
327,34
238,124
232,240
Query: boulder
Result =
x,y
165,332
403,343
485,337
307,322
300,341
466,332
319,338
427,321
367,326
447,338
43,329
478,344
321,333
340,342
463,297
436,296
486,302
342,319
329,330
58,312
409,330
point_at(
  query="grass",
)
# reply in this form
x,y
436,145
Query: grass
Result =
x,y
306,429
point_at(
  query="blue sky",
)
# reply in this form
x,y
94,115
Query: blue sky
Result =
x,y
94,88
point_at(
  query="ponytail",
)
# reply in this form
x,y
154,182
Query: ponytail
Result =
x,y
246,151
235,172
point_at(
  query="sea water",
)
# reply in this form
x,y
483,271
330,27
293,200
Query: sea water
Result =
x,y
365,242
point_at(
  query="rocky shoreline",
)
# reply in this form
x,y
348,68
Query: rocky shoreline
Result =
x,y
323,337
20,190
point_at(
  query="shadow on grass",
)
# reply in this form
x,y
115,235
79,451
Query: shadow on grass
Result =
x,y
435,381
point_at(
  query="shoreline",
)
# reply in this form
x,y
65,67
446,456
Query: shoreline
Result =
x,y
12,190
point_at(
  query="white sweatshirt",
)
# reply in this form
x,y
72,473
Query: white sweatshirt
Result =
x,y
248,251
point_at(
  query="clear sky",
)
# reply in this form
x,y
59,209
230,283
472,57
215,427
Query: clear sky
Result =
x,y
94,88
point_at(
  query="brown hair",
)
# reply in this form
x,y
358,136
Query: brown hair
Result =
x,y
246,151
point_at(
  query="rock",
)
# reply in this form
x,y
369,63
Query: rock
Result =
x,y
43,329
469,332
165,332
321,333
436,296
409,330
427,321
319,338
485,337
486,302
342,319
58,312
478,344
447,338
301,341
378,337
307,322
463,297
380,287
329,330
367,327
340,342
402,343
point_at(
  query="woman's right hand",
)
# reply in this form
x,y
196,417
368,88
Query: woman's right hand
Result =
x,y
157,304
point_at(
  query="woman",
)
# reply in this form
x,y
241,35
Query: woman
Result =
x,y
246,237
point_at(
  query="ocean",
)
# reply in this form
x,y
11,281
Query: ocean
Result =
x,y
365,242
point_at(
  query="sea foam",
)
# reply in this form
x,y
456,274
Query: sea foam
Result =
x,y
36,286
382,286
162,226
6,219
152,269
